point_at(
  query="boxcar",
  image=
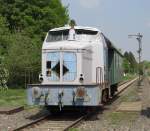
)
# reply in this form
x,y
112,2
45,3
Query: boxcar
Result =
x,y
115,71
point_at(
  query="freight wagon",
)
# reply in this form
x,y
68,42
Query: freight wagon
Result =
x,y
80,68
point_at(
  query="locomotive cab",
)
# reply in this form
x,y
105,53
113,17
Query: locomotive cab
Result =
x,y
67,56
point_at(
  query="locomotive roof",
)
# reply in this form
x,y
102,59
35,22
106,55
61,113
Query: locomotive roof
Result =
x,y
109,43
111,46
76,27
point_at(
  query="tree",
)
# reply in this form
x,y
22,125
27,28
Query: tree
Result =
x,y
126,65
23,26
132,61
72,23
126,55
35,17
4,37
129,64
23,54
4,42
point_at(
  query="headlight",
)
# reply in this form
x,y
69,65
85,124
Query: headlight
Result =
x,y
40,77
81,79
80,92
36,92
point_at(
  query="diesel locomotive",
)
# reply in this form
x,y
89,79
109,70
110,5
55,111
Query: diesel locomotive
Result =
x,y
80,68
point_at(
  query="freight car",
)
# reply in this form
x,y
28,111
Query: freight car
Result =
x,y
80,68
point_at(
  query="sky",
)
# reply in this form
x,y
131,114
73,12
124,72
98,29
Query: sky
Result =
x,y
116,19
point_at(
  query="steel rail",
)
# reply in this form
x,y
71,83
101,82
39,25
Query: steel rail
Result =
x,y
127,84
76,122
31,123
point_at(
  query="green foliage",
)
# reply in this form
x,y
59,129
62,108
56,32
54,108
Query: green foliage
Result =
x,y
23,26
129,77
118,118
73,129
13,97
129,63
4,42
24,54
145,67
4,75
126,65
36,17
4,37
146,64
72,23
132,61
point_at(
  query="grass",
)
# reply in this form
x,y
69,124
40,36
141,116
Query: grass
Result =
x,y
128,77
116,118
13,97
73,129
131,96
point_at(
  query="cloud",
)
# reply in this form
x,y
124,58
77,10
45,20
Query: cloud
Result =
x,y
89,3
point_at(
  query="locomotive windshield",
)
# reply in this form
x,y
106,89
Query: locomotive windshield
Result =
x,y
55,65
80,35
57,35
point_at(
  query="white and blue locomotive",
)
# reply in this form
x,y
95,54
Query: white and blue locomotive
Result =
x,y
80,68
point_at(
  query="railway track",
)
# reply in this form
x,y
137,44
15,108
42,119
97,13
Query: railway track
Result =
x,y
54,123
63,122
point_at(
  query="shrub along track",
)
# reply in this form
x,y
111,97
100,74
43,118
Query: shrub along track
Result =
x,y
64,122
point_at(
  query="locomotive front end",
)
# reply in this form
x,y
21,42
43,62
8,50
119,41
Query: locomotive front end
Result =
x,y
66,78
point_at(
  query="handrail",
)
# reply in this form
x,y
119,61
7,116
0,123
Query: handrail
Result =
x,y
99,76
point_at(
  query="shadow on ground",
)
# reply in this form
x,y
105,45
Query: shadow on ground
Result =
x,y
146,112
41,113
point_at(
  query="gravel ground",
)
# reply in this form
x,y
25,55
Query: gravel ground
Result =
x,y
10,122
110,120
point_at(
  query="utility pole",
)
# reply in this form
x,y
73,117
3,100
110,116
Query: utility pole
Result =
x,y
139,39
